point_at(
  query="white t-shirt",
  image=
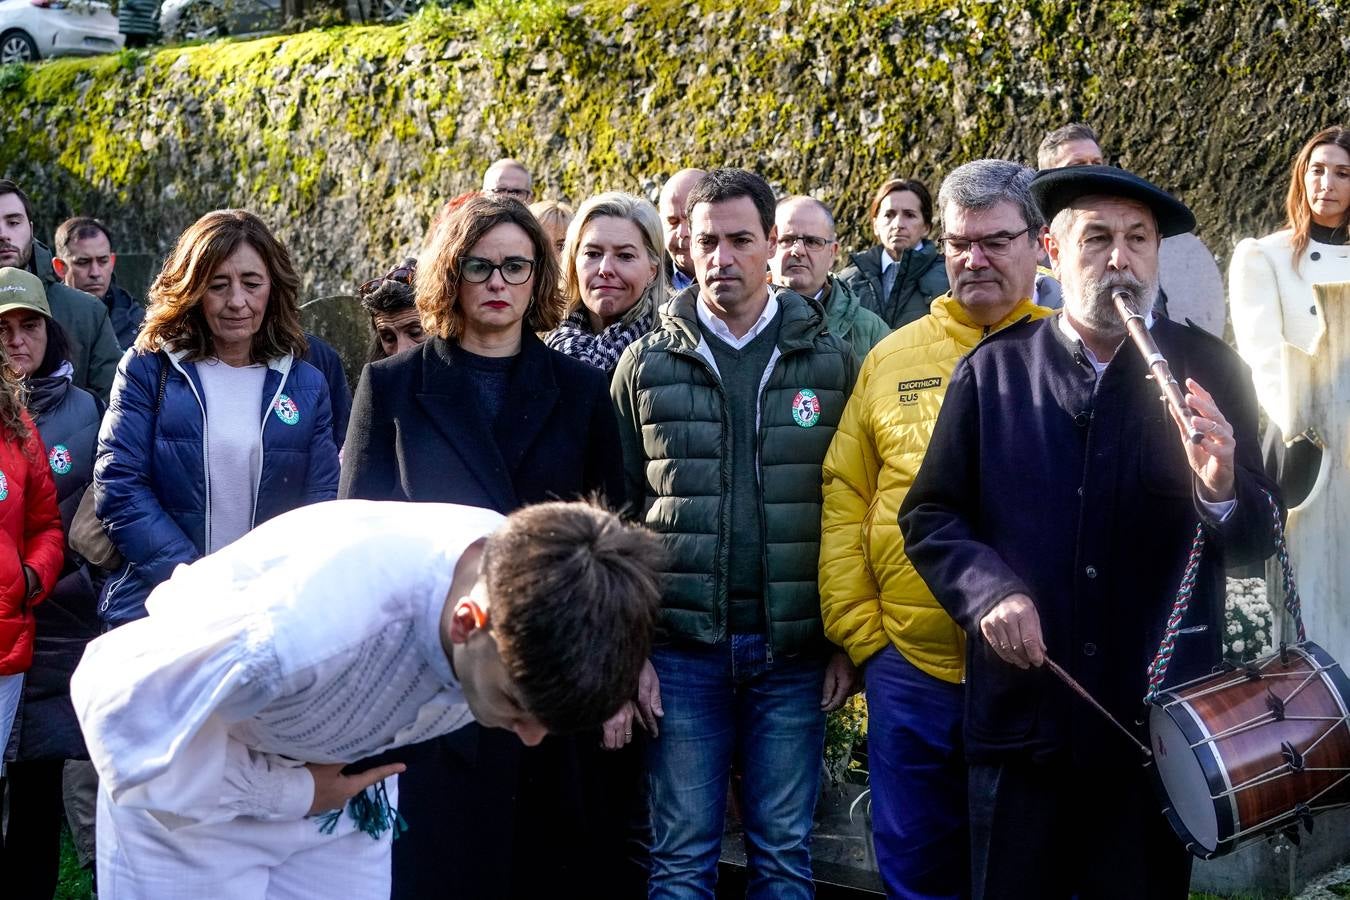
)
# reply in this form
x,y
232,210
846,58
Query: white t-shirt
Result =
x,y
233,447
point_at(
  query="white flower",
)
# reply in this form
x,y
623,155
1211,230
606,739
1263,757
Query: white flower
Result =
x,y
1239,645
1233,628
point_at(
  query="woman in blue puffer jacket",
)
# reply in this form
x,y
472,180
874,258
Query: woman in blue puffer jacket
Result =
x,y
215,423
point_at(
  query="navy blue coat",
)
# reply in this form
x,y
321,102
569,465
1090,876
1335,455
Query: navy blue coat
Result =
x,y
151,470
323,357
1043,479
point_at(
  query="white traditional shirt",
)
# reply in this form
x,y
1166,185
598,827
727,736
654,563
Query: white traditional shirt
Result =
x,y
313,638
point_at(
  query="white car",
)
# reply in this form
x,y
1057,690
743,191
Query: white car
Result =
x,y
36,29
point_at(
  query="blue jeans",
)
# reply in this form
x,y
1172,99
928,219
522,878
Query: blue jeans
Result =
x,y
725,703
917,773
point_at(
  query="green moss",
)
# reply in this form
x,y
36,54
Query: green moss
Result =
x,y
822,97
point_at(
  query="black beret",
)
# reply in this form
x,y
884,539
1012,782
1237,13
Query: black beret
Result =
x,y
1055,189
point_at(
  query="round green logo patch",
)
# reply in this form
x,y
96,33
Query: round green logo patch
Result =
x,y
287,411
806,408
59,459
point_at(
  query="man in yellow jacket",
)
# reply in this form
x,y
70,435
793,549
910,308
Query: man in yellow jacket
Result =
x,y
874,604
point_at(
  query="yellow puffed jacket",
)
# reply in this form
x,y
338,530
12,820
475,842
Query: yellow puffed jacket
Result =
x,y
870,595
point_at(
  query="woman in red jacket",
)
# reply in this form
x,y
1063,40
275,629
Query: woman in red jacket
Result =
x,y
32,547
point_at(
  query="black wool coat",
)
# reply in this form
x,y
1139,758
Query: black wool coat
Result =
x,y
1045,480
416,432
508,819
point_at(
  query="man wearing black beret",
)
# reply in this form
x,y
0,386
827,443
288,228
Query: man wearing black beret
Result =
x,y
1058,524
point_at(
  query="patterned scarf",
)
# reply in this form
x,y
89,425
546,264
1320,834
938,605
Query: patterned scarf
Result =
x,y
575,338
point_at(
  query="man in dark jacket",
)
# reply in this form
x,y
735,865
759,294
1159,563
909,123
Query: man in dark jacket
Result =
x,y
85,261
725,413
93,345
1060,526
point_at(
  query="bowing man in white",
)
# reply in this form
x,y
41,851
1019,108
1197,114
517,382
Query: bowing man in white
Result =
x,y
223,726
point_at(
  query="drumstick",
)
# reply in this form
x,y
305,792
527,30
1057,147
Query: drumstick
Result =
x,y
1082,692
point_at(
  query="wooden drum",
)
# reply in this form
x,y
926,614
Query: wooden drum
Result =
x,y
1247,752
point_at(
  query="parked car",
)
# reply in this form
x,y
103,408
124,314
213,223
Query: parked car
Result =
x,y
187,20
36,29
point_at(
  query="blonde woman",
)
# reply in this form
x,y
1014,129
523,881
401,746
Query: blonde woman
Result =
x,y
612,278
555,216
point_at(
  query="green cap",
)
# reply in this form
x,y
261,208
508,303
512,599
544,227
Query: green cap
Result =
x,y
20,289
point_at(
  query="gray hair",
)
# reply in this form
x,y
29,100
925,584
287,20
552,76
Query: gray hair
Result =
x,y
1074,131
618,205
985,183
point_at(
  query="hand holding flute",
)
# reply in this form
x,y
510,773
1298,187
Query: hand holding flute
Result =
x,y
1206,434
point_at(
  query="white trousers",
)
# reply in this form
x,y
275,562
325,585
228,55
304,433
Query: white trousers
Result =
x,y
242,859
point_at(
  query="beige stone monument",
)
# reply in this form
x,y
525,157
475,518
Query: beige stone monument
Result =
x,y
1319,527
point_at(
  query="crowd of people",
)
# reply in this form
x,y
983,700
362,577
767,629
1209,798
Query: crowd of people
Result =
x,y
920,476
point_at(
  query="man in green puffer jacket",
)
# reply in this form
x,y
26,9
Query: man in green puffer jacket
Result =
x,y
805,252
725,413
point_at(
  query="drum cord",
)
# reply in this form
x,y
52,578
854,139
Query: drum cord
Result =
x,y
1157,670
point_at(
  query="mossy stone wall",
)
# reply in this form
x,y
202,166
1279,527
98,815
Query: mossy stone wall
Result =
x,y
348,139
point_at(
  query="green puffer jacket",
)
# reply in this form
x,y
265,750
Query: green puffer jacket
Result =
x,y
847,317
674,429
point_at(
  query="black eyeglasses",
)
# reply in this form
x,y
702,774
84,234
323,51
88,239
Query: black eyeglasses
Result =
x,y
993,245
810,241
514,269
402,274
517,193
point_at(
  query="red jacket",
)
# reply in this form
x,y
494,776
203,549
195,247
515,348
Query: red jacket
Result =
x,y
30,527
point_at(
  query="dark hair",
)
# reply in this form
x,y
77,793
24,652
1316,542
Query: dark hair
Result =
x,y
721,185
1074,131
1297,211
9,187
464,226
389,294
77,229
574,594
58,349
892,185
173,314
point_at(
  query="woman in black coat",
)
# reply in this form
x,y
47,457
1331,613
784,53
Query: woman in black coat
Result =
x,y
484,414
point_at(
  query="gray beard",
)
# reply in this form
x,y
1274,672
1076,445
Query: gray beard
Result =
x,y
1097,310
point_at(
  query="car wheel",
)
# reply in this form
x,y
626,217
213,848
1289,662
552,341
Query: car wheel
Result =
x,y
17,47
202,22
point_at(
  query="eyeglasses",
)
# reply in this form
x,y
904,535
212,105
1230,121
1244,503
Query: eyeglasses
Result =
x,y
401,274
514,269
518,193
992,245
809,241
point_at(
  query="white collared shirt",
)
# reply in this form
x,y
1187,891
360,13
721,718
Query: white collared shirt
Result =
x,y
1221,510
1072,334
722,332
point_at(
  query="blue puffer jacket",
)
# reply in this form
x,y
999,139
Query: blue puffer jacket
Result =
x,y
152,487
